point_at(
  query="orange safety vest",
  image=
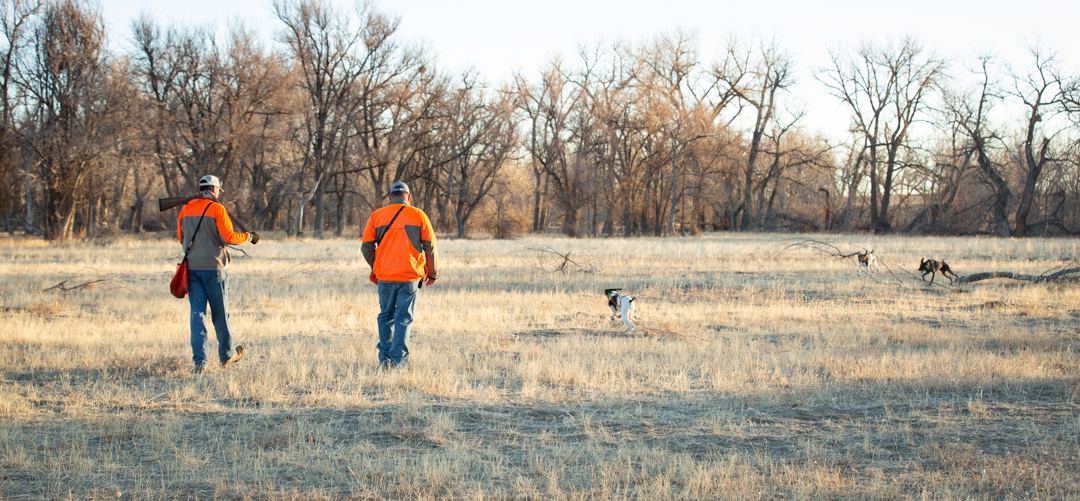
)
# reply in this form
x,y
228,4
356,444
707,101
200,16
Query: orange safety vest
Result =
x,y
399,256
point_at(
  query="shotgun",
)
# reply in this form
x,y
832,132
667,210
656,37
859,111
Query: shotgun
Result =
x,y
165,204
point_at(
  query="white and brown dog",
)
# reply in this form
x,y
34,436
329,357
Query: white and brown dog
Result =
x,y
866,260
623,305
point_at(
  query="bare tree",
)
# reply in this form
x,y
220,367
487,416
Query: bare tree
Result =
x,y
16,17
756,79
550,107
338,62
397,132
887,89
1039,90
625,136
480,142
181,72
969,116
73,111
671,63
211,109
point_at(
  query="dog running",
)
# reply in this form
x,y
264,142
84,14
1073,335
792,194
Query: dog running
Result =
x,y
866,260
931,267
621,304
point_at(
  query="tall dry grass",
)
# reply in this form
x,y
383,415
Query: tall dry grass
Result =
x,y
765,375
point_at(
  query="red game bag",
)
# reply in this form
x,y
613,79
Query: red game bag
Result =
x,y
178,286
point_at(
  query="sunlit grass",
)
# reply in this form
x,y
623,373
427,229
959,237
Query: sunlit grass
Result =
x,y
764,374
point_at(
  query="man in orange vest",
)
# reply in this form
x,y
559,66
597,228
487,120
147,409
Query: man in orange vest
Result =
x,y
399,245
207,222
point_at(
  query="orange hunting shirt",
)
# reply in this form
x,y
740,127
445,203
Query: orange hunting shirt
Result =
x,y
408,248
208,252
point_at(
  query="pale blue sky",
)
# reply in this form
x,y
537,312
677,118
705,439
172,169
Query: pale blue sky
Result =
x,y
499,37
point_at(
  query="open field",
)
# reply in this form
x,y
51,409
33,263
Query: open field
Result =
x,y
807,382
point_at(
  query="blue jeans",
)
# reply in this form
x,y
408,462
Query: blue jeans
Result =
x,y
397,302
209,286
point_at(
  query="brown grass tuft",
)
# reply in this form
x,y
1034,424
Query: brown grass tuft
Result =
x,y
46,308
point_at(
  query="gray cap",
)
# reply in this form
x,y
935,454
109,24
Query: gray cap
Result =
x,y
208,181
399,187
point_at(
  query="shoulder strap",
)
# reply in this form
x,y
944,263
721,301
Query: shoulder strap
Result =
x,y
378,239
197,226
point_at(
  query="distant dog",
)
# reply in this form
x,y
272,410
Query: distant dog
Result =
x,y
621,304
866,260
931,267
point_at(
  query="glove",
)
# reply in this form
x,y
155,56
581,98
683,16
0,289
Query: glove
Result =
x,y
373,279
254,237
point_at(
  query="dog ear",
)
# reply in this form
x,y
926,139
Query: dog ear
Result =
x,y
921,262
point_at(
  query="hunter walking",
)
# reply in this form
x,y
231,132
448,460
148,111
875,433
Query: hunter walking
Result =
x,y
206,221
399,245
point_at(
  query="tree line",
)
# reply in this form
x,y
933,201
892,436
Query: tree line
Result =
x,y
644,138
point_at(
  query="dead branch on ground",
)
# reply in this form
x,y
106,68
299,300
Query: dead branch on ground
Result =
x,y
1059,276
552,260
820,246
306,268
63,287
834,251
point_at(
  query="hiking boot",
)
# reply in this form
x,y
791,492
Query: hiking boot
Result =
x,y
236,358
199,369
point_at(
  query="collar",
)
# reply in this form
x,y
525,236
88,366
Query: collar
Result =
x,y
398,200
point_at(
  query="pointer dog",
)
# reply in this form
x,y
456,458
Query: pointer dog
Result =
x,y
931,267
866,260
621,305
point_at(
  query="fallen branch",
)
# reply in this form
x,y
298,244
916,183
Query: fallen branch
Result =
x,y
820,246
1060,275
306,267
834,251
62,286
552,260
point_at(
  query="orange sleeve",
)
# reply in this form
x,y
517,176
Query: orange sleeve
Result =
x,y
427,232
369,229
225,227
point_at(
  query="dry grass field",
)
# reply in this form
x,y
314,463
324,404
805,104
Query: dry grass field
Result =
x,y
767,375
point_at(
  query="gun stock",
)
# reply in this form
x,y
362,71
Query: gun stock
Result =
x,y
165,204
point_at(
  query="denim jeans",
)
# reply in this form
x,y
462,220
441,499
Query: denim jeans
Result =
x,y
209,286
397,302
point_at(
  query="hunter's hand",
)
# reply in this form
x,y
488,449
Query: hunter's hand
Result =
x,y
373,279
254,237
430,281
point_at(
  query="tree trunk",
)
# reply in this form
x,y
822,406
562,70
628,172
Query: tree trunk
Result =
x,y
1001,189
570,223
1034,170
320,209
674,190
